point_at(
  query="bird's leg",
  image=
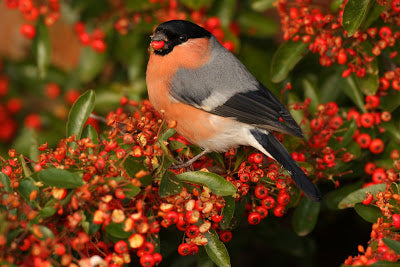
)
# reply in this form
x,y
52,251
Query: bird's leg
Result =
x,y
189,162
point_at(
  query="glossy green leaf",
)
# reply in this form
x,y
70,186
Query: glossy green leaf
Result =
x,y
196,4
216,250
359,195
170,185
333,198
369,213
352,90
41,48
79,114
60,178
217,184
393,130
286,58
25,167
256,24
47,212
335,4
133,166
227,211
391,101
353,14
130,190
25,188
262,5
392,244
5,183
346,131
90,132
43,233
311,91
225,10
90,64
374,12
202,258
305,216
370,82
117,230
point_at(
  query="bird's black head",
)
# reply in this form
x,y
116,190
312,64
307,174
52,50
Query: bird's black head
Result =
x,y
175,32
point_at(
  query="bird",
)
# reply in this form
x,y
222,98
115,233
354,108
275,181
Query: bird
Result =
x,y
215,102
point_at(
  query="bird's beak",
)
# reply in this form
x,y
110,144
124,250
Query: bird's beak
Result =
x,y
158,40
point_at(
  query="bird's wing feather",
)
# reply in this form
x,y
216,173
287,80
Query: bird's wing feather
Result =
x,y
229,90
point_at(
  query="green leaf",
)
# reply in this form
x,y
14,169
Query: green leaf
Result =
x,y
26,187
79,114
384,264
132,166
370,82
90,132
217,184
393,130
305,216
47,212
60,178
41,48
196,4
285,58
352,90
45,233
374,12
346,131
335,5
353,14
90,64
203,260
262,5
391,101
169,185
333,198
359,195
225,10
130,190
5,182
311,91
117,230
256,24
216,250
369,213
25,167
227,212
392,244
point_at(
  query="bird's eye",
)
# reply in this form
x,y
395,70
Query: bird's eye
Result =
x,y
183,38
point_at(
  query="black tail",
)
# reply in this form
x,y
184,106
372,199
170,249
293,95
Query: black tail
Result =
x,y
278,151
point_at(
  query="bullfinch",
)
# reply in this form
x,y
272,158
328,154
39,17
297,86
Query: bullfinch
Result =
x,y
193,81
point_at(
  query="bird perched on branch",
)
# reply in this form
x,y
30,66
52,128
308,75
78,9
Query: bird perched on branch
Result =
x,y
215,101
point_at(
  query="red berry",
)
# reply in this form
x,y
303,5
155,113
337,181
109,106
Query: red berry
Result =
x,y
7,170
28,31
121,247
363,140
254,218
385,32
192,231
212,23
279,211
396,5
184,249
396,220
147,260
379,176
157,258
377,146
369,168
33,121
368,199
367,120
225,236
268,202
99,46
263,211
373,101
52,90
261,191
342,57
283,199
194,249
229,45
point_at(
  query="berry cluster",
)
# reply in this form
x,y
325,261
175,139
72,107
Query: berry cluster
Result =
x,y
326,37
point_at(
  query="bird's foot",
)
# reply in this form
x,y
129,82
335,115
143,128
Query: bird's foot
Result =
x,y
189,162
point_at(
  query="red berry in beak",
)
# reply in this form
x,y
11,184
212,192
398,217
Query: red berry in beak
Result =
x,y
157,44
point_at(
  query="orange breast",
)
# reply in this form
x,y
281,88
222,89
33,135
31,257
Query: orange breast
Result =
x,y
192,123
